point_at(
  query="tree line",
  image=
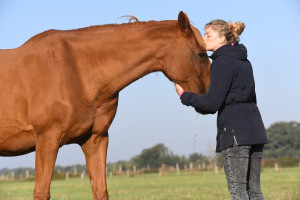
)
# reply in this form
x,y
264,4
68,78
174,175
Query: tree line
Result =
x,y
284,140
283,148
158,155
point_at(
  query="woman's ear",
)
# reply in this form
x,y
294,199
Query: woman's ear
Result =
x,y
222,40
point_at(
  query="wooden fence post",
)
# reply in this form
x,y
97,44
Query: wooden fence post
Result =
x,y
27,173
12,175
162,170
82,174
276,167
216,169
75,171
191,166
177,169
67,175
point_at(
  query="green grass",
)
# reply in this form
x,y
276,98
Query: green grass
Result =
x,y
206,185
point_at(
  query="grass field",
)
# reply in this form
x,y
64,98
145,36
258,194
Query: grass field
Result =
x,y
203,185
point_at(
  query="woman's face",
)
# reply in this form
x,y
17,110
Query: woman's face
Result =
x,y
213,40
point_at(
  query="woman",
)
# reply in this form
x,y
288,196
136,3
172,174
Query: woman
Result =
x,y
241,133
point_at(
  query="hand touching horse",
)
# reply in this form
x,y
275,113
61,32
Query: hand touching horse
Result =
x,y
62,87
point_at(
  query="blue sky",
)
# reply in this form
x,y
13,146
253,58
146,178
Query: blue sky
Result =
x,y
149,110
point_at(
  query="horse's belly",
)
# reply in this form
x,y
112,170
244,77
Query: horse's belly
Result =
x,y
16,139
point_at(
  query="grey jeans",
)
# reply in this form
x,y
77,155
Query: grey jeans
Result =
x,y
242,166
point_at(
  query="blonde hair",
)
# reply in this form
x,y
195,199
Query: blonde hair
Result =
x,y
231,31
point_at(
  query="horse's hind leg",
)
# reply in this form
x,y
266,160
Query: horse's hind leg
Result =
x,y
47,145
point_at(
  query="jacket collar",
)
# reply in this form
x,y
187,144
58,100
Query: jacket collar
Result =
x,y
234,50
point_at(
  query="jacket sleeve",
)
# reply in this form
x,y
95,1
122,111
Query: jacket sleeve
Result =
x,y
254,98
253,92
221,75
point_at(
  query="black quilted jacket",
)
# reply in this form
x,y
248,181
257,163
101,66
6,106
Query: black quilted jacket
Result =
x,y
232,94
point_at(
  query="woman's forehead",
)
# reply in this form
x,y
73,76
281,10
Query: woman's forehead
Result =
x,y
209,30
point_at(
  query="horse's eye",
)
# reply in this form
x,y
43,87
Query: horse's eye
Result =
x,y
202,54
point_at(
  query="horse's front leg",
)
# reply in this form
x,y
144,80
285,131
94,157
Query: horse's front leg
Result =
x,y
47,145
95,149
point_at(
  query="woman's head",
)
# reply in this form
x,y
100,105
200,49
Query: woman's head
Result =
x,y
218,33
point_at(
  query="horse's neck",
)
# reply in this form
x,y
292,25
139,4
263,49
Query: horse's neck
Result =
x,y
120,58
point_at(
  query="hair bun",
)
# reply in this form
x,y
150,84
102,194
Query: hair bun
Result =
x,y
240,26
230,30
237,27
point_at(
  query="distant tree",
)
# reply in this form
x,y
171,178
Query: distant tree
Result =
x,y
197,158
284,140
155,157
79,168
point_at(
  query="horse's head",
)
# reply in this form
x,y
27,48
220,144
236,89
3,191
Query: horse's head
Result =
x,y
188,63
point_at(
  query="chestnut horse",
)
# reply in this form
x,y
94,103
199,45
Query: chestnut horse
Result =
x,y
62,87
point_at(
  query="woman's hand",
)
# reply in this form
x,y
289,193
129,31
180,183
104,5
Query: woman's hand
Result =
x,y
179,89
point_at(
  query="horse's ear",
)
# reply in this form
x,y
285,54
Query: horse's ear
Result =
x,y
184,23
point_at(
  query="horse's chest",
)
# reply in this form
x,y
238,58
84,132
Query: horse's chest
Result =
x,y
76,132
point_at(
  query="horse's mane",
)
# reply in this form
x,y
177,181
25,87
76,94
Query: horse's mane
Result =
x,y
146,24
150,24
